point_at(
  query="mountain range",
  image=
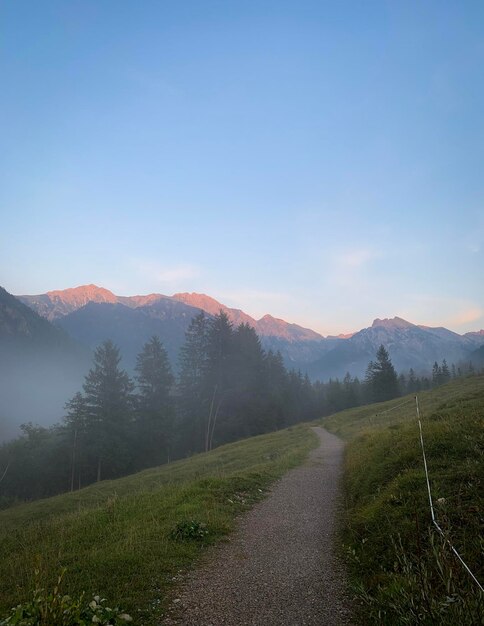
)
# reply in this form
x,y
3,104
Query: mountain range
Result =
x,y
90,314
46,343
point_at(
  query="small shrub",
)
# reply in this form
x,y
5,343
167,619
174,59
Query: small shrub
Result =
x,y
56,609
189,529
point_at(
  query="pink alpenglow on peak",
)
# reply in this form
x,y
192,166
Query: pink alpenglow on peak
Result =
x,y
395,322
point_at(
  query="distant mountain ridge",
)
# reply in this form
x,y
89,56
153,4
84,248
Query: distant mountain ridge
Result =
x,y
409,345
89,313
56,304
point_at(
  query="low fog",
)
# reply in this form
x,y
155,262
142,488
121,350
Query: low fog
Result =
x,y
35,387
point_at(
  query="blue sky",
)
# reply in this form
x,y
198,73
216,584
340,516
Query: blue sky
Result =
x,y
321,161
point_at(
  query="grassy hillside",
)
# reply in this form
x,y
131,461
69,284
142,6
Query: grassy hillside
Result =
x,y
403,571
115,539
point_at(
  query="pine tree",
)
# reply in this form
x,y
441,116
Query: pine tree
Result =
x,y
155,410
276,389
445,372
219,379
109,402
381,378
349,391
244,404
192,400
436,374
412,382
402,384
77,427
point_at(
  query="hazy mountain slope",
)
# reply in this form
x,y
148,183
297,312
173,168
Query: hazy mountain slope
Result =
x,y
130,328
477,357
477,337
409,346
21,326
40,367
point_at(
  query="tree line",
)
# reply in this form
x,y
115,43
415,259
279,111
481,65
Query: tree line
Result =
x,y
381,382
227,387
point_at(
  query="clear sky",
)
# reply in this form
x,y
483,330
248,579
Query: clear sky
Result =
x,y
321,161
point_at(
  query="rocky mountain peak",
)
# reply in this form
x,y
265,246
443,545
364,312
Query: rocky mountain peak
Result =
x,y
82,295
395,322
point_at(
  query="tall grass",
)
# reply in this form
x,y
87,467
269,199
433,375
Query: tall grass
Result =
x,y
402,570
116,538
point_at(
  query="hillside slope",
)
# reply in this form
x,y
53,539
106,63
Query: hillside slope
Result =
x,y
115,537
402,570
130,327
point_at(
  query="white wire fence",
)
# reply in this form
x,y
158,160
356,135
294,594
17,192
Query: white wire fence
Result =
x,y
429,491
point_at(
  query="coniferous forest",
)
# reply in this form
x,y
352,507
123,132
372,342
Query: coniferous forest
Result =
x,y
226,388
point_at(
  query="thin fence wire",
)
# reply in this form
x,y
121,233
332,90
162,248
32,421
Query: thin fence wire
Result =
x,y
394,407
432,512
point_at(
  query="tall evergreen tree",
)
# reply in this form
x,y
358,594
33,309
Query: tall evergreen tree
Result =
x,y
245,399
77,427
412,382
192,401
219,380
381,378
445,376
276,389
155,411
436,374
109,401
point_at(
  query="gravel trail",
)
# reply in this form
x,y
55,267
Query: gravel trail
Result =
x,y
279,567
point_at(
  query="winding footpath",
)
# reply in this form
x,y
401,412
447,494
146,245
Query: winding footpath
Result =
x,y
279,568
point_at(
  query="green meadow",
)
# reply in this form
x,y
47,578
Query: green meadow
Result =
x,y
402,571
116,539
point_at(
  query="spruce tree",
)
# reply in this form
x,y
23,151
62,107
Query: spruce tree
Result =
x,y
411,381
219,379
445,372
192,400
109,404
436,374
155,407
77,427
381,378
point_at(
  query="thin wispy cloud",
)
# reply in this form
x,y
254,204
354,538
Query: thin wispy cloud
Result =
x,y
466,316
458,314
168,275
347,268
354,258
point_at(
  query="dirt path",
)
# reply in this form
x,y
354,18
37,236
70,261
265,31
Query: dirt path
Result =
x,y
279,567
